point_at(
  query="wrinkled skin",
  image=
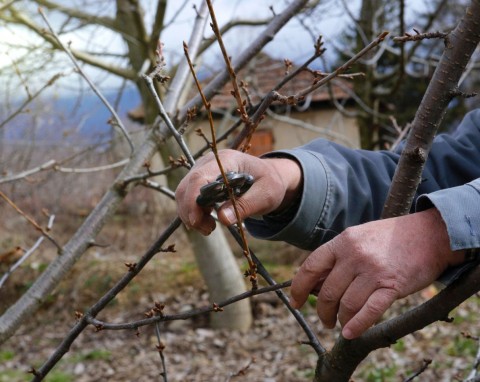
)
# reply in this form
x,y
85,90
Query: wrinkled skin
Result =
x,y
358,274
276,182
362,271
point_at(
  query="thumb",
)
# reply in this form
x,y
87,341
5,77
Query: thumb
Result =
x,y
226,214
264,196
247,205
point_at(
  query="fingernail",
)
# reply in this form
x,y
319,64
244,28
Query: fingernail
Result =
x,y
229,215
293,303
191,219
205,231
347,333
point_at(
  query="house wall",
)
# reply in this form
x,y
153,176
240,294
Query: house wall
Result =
x,y
293,131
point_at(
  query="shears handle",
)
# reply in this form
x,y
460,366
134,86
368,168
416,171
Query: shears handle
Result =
x,y
217,192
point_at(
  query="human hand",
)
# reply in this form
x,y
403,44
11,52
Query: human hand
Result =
x,y
362,271
277,181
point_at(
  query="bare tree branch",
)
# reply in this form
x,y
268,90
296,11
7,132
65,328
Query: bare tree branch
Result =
x,y
463,42
77,13
81,240
188,314
21,18
100,304
32,97
32,222
27,253
117,120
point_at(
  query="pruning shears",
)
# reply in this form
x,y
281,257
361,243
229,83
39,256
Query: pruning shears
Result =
x,y
217,191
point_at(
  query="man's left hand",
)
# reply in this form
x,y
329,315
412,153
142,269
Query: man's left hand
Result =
x,y
362,271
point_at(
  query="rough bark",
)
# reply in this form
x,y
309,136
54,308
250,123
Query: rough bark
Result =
x,y
443,87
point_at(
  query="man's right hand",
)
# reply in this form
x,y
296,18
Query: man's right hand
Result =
x,y
277,183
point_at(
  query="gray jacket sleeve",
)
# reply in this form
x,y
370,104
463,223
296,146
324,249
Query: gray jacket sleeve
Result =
x,y
344,187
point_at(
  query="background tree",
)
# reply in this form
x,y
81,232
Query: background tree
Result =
x,y
127,20
396,80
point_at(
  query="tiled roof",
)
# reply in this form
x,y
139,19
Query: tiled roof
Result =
x,y
262,75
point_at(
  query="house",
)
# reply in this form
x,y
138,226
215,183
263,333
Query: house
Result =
x,y
285,126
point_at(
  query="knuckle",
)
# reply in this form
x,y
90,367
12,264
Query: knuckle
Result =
x,y
309,266
373,311
180,192
350,239
205,159
243,206
270,199
349,306
195,176
327,295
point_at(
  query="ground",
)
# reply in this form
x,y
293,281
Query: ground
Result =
x,y
271,351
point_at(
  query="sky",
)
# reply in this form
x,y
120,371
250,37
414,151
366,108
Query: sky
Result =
x,y
293,42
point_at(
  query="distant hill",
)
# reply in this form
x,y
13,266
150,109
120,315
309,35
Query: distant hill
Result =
x,y
71,119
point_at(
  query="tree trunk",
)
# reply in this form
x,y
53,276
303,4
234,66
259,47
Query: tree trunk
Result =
x,y
223,279
364,88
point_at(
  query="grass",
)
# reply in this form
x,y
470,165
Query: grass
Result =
x,y
93,355
6,355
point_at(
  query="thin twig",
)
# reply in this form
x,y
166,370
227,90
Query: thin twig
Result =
x,y
233,76
345,66
43,167
401,136
27,254
421,36
134,325
252,273
6,5
117,121
31,221
160,348
63,348
319,50
312,338
242,372
294,99
163,114
473,375
32,97
74,170
426,363
52,165
158,187
198,154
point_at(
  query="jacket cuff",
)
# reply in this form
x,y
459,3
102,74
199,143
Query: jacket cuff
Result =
x,y
301,229
460,210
